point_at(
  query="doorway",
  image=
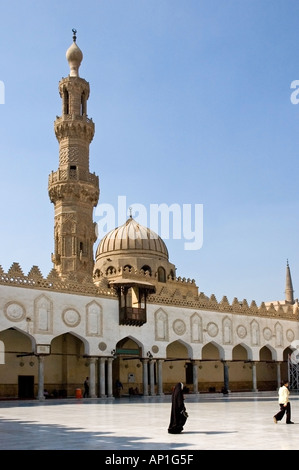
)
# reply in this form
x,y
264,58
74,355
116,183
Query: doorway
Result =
x,y
25,387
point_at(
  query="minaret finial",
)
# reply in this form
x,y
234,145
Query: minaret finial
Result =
x,y
74,56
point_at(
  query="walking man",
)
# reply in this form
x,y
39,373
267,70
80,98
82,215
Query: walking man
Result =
x,y
284,403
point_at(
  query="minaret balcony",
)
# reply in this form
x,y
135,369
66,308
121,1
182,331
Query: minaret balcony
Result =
x,y
73,117
69,175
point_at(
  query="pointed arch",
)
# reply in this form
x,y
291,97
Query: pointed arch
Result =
x,y
161,274
179,349
212,351
242,352
268,353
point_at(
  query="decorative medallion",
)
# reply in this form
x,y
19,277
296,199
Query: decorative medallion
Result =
x,y
71,317
267,334
14,311
102,346
241,331
179,327
212,329
290,335
155,349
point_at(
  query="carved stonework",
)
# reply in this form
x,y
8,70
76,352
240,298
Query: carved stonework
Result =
x,y
241,331
227,331
179,327
94,325
102,346
196,328
290,335
212,329
71,317
14,311
68,155
267,333
161,326
43,315
278,335
74,129
255,333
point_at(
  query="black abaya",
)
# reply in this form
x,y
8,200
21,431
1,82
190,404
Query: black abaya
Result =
x,y
177,420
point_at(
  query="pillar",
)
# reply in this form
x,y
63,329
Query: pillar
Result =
x,y
109,377
40,392
152,377
145,377
254,381
102,377
160,377
225,375
195,377
92,378
278,373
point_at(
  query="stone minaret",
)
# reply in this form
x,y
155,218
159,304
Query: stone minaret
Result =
x,y
73,190
289,292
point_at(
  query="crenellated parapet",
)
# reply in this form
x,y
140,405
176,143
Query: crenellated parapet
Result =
x,y
34,280
177,292
202,302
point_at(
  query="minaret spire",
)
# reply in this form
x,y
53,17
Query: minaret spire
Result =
x,y
73,190
289,292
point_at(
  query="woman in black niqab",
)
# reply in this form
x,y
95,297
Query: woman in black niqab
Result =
x,y
177,419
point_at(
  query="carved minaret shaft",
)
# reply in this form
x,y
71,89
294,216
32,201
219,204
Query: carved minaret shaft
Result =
x,y
289,292
72,189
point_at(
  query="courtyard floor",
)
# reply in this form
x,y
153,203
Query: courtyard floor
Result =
x,y
216,422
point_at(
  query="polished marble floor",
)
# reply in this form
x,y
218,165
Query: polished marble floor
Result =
x,y
216,422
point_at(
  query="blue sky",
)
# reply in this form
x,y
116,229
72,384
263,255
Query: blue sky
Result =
x,y
191,104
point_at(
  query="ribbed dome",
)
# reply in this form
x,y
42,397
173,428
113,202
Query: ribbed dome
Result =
x,y
132,237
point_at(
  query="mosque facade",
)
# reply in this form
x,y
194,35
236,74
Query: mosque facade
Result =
x,y
123,314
